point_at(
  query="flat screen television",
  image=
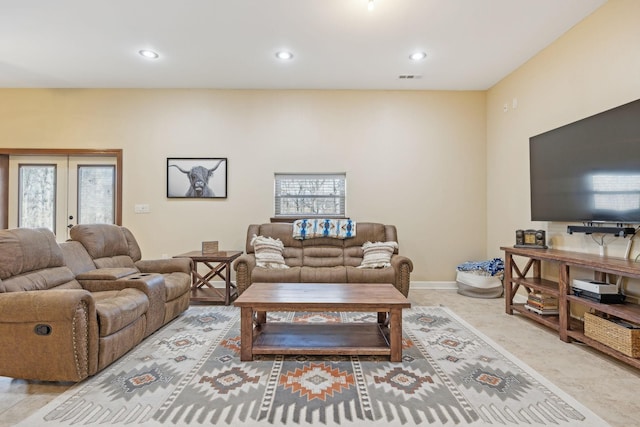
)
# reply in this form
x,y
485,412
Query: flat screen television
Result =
x,y
588,171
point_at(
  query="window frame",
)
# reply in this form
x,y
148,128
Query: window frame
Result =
x,y
340,198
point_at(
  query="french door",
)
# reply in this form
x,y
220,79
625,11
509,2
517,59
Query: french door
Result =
x,y
57,192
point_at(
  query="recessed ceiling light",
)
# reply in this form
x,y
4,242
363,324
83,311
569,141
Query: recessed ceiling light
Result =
x,y
149,54
284,55
417,56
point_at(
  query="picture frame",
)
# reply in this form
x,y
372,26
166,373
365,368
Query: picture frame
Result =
x,y
197,177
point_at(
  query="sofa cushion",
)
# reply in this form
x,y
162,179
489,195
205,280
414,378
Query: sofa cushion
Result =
x,y
373,232
31,260
76,257
292,256
24,250
336,274
322,256
118,309
353,256
101,240
371,275
134,249
378,254
260,274
120,261
268,252
176,284
46,278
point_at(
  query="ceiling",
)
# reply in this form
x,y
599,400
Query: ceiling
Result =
x,y
337,44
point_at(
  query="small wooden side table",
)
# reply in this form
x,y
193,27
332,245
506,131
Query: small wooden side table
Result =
x,y
202,288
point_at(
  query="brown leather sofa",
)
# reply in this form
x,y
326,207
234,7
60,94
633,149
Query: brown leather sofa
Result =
x,y
63,318
323,259
115,248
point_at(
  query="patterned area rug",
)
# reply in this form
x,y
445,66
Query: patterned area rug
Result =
x,y
190,373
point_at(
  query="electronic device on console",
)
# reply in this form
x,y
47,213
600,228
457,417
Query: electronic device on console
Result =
x,y
595,290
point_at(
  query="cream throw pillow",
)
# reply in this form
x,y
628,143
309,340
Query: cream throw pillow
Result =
x,y
268,252
378,254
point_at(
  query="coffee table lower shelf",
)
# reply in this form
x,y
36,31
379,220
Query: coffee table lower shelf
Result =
x,y
334,339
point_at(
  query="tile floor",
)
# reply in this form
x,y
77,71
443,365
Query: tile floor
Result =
x,y
609,388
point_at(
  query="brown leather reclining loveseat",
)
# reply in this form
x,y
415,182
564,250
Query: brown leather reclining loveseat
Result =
x,y
323,259
69,310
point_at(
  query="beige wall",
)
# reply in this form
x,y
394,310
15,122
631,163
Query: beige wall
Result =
x,y
413,159
593,67
450,169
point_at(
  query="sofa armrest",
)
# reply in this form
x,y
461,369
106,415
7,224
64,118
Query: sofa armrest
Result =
x,y
170,265
48,335
243,267
403,266
398,260
46,305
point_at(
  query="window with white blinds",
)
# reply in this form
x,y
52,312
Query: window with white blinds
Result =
x,y
313,195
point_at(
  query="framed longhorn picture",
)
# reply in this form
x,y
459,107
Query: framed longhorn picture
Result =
x,y
197,178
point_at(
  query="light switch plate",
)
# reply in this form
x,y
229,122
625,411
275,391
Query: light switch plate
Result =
x,y
141,208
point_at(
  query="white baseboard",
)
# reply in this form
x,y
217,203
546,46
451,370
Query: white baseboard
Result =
x,y
433,285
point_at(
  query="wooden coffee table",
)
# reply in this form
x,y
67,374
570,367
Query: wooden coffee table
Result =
x,y
383,337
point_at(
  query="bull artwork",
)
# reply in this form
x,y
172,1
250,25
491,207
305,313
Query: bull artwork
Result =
x,y
199,177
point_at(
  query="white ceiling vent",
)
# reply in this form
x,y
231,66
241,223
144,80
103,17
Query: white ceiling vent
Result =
x,y
409,76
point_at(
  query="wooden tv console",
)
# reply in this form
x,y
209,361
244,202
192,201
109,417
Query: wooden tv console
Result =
x,y
529,276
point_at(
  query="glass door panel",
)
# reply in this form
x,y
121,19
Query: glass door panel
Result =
x,y
37,193
37,196
92,186
96,194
